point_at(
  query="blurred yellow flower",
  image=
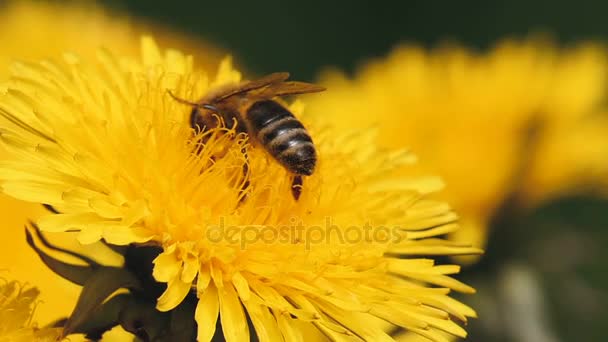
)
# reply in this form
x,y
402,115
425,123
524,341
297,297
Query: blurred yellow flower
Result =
x,y
107,146
17,305
570,157
32,30
517,119
18,259
37,30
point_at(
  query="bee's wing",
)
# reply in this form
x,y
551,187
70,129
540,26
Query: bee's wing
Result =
x,y
288,88
247,86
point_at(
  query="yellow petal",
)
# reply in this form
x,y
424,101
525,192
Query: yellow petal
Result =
x,y
266,327
207,311
166,265
174,294
241,285
234,322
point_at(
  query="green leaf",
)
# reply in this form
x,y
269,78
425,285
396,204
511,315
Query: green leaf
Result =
x,y
97,288
183,325
75,273
105,317
142,319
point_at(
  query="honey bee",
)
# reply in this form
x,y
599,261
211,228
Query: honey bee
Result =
x,y
250,106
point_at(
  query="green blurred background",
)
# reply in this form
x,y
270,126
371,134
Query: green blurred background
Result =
x,y
303,36
534,259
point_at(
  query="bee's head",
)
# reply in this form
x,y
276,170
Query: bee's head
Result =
x,y
205,116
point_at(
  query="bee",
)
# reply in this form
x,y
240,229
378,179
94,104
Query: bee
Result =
x,y
250,105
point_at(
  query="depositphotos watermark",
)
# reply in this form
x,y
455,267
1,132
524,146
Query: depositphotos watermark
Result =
x,y
296,232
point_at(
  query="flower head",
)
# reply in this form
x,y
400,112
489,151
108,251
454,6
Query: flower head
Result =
x,y
41,29
515,119
108,147
33,30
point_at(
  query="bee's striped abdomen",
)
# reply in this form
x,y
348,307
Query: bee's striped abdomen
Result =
x,y
283,136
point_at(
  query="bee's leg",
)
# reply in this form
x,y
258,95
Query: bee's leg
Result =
x,y
246,182
296,186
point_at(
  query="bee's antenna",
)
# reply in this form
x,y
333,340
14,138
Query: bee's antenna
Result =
x,y
180,100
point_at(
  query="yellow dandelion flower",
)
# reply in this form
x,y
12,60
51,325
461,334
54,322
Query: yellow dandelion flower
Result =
x,y
41,29
107,146
37,30
569,158
17,305
470,118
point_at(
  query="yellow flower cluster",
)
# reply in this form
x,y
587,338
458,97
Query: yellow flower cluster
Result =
x,y
17,304
525,119
107,146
